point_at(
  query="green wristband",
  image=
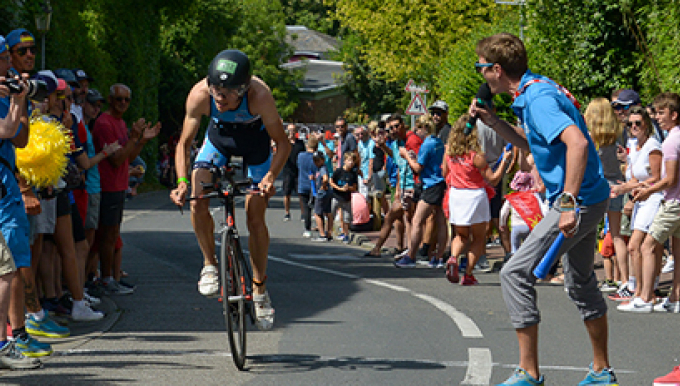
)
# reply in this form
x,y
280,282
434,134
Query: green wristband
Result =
x,y
183,179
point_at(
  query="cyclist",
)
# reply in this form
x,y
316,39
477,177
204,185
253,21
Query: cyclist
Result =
x,y
243,121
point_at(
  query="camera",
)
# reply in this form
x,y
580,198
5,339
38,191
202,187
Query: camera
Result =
x,y
37,89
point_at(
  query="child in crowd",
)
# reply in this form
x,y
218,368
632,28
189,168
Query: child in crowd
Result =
x,y
524,207
344,181
307,168
467,177
322,205
611,269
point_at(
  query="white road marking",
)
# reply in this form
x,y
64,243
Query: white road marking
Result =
x,y
467,327
480,358
308,256
479,367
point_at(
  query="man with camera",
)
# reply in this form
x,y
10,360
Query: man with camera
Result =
x,y
13,220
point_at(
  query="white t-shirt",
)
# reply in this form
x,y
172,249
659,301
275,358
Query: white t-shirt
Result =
x,y
638,161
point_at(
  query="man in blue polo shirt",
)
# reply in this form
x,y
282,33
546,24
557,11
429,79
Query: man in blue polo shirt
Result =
x,y
565,156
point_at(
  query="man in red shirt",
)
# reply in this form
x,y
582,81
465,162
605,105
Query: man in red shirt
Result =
x,y
110,127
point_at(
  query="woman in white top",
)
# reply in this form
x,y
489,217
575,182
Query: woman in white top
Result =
x,y
643,169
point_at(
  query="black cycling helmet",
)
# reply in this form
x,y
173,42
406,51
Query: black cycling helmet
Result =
x,y
230,69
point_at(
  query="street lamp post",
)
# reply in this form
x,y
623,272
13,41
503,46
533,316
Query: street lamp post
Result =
x,y
42,24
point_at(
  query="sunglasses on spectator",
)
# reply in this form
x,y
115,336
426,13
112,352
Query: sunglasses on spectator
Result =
x,y
621,107
23,50
436,112
122,99
634,123
394,127
479,66
61,95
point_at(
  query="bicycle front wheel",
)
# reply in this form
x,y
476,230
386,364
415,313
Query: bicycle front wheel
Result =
x,y
234,296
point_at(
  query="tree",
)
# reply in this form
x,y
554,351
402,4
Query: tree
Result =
x,y
407,40
585,45
313,14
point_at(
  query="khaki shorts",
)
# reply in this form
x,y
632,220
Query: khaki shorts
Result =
x,y
666,223
6,259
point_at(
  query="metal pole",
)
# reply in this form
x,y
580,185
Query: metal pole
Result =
x,y
43,51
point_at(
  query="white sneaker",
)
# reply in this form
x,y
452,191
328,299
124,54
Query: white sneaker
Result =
x,y
83,313
209,284
264,312
667,306
91,300
307,234
669,266
636,305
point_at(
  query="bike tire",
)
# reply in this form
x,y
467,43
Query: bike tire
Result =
x,y
232,276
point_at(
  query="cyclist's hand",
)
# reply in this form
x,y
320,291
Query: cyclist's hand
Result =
x,y
178,195
267,185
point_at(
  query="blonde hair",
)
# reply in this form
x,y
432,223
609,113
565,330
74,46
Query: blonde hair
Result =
x,y
312,142
373,128
426,122
602,122
459,143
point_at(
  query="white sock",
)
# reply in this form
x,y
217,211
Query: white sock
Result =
x,y
78,304
108,279
631,283
38,316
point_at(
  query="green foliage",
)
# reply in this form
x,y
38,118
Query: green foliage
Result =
x,y
584,44
659,20
313,14
407,40
371,93
457,80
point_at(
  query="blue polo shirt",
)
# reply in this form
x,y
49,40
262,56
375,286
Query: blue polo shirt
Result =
x,y
13,219
430,156
544,112
366,153
405,174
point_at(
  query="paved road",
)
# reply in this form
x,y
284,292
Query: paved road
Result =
x,y
340,320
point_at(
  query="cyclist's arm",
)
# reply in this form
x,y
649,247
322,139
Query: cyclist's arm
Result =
x,y
197,105
264,105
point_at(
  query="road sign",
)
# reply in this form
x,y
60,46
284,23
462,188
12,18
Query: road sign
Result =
x,y
413,88
417,106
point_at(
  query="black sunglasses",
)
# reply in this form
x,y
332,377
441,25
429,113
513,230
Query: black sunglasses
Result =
x,y
23,50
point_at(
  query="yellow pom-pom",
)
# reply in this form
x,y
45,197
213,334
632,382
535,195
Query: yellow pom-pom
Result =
x,y
44,159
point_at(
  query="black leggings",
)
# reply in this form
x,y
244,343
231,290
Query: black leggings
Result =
x,y
306,210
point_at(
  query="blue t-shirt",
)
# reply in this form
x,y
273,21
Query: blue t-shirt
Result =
x,y
430,156
366,153
306,168
544,112
405,173
92,184
321,193
329,160
13,216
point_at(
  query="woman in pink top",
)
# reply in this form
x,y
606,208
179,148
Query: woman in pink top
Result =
x,y
467,176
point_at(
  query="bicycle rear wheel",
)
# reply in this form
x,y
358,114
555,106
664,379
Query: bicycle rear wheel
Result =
x,y
233,296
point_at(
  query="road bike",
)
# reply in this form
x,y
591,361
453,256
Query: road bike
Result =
x,y
235,272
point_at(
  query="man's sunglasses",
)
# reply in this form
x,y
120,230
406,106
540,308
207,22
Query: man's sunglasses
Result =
x,y
621,107
122,99
23,50
479,66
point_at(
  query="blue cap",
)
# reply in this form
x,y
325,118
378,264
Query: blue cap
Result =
x,y
14,37
3,45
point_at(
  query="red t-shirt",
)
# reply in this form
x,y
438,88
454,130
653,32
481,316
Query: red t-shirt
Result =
x,y
108,129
